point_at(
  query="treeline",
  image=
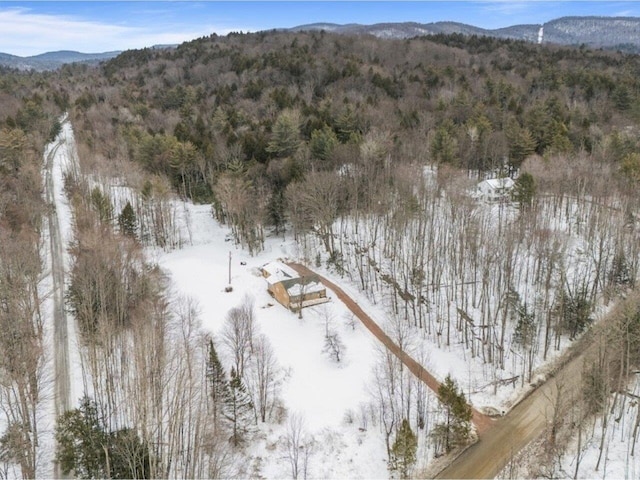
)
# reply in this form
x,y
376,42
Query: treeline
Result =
x,y
259,111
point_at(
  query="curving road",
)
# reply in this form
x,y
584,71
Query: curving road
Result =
x,y
60,330
523,424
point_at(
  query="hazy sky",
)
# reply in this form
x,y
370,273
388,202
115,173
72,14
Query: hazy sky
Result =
x,y
29,28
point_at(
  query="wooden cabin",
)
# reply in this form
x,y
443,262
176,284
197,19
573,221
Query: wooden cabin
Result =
x,y
291,289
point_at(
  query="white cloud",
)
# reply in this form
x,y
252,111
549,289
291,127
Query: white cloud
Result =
x,y
508,7
25,33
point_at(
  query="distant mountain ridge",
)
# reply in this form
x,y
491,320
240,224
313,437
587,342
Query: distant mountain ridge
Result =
x,y
605,32
621,33
54,60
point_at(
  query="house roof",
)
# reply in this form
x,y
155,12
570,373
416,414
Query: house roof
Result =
x,y
278,272
311,287
497,183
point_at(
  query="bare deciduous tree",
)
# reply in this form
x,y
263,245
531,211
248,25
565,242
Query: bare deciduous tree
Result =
x,y
238,334
264,382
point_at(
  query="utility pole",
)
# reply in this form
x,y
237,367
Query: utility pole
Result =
x,y
301,297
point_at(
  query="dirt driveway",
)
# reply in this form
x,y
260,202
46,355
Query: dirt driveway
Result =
x,y
481,421
502,438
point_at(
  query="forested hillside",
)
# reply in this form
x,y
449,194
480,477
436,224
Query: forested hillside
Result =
x,y
278,105
366,151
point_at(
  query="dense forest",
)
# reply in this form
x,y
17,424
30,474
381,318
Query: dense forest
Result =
x,y
365,151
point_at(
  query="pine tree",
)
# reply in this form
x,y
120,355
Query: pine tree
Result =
x,y
238,409
285,137
457,428
129,455
619,275
323,142
89,450
218,384
521,144
127,221
524,190
403,452
574,310
525,327
82,441
102,204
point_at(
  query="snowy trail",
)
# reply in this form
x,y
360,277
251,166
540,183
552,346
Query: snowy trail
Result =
x,y
61,335
481,421
57,158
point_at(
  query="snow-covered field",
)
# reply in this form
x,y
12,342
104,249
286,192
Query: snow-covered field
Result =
x,y
329,396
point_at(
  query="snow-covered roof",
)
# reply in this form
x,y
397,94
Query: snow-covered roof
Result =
x,y
311,287
497,183
278,272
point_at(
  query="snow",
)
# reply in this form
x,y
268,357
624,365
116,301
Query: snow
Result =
x,y
65,161
618,459
324,393
278,272
487,385
329,396
311,287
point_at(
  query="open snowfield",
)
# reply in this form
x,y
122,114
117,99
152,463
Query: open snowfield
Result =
x,y
326,394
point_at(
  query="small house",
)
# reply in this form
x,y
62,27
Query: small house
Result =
x,y
291,289
495,189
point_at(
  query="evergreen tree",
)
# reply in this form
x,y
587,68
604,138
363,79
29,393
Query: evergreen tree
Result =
x,y
524,190
102,205
444,145
403,452
348,127
285,137
127,221
218,384
129,456
619,275
521,144
630,168
323,142
87,449
238,409
458,412
82,441
525,327
574,310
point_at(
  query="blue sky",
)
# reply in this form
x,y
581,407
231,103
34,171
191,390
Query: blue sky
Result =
x,y
29,28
